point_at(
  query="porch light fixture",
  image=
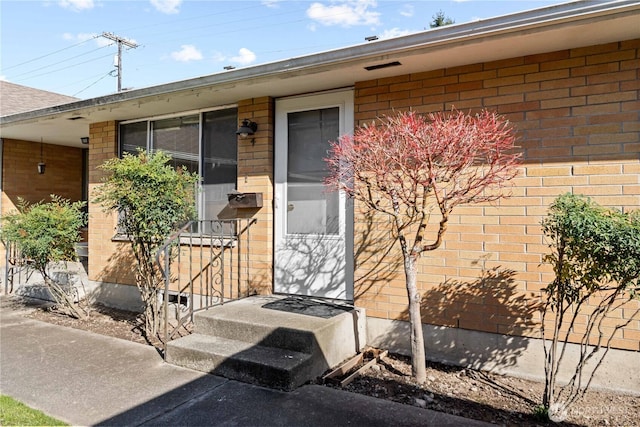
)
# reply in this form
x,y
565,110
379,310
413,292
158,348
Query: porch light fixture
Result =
x,y
41,165
247,129
84,140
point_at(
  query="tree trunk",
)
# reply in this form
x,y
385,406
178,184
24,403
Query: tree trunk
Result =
x,y
64,301
418,358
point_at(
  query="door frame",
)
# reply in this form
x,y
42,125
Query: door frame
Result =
x,y
344,99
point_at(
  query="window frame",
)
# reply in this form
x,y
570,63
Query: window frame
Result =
x,y
200,196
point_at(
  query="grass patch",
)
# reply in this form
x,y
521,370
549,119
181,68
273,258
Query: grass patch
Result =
x,y
14,413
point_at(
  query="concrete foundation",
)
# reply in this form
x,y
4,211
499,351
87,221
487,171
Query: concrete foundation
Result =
x,y
72,276
502,354
124,297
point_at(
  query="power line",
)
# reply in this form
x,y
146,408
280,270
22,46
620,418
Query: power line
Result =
x,y
65,68
82,90
49,54
59,62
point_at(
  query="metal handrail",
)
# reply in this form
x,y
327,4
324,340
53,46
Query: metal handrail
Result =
x,y
15,265
213,249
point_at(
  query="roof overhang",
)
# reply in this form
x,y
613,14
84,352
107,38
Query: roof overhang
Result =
x,y
565,26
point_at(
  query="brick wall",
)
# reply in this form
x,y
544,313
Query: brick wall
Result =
x,y
578,118
113,262
109,261
20,178
255,174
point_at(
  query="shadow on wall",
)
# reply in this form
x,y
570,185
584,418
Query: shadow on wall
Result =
x,y
310,265
456,314
117,279
259,284
492,304
374,260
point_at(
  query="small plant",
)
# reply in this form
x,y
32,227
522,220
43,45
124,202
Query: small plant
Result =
x,y
46,233
152,199
541,413
595,254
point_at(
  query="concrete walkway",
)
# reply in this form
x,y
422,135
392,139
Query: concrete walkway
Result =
x,y
88,379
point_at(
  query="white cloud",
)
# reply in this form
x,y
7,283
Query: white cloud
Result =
x,y
407,10
218,57
273,4
77,5
3,78
345,13
169,7
187,52
80,37
244,57
393,32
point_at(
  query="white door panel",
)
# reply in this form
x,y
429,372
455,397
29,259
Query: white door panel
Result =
x,y
313,227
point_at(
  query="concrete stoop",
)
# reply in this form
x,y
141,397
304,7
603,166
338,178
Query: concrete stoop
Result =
x,y
275,341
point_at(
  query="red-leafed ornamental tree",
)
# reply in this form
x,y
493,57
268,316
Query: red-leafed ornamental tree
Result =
x,y
415,168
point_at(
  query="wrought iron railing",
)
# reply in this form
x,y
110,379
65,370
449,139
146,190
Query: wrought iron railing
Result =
x,y
17,269
203,264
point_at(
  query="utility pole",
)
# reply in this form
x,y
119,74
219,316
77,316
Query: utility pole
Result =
x,y
121,41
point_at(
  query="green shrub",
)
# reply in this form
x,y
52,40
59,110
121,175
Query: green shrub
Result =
x,y
46,233
595,255
152,199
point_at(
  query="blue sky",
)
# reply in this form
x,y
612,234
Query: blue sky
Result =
x,y
55,45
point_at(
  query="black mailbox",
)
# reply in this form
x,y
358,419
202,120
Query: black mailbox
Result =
x,y
245,200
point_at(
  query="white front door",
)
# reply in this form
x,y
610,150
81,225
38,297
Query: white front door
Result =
x,y
313,227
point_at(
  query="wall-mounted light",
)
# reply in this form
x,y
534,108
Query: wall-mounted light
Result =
x,y
41,165
84,140
247,129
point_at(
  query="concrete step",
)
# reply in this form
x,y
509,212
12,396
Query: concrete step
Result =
x,y
276,341
242,361
252,324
